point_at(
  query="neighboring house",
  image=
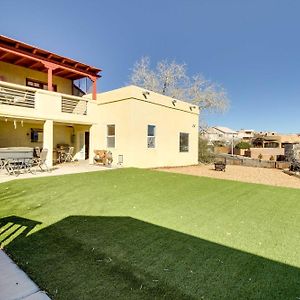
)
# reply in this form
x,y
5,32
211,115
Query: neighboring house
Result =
x,y
246,134
40,105
272,144
219,134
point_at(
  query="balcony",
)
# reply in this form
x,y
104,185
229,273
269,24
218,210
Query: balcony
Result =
x,y
22,101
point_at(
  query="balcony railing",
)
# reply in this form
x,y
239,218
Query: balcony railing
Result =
x,y
73,105
42,103
17,97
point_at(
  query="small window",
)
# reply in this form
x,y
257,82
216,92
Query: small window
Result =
x,y
183,142
151,136
111,136
36,135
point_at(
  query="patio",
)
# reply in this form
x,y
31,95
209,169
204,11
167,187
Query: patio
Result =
x,y
81,166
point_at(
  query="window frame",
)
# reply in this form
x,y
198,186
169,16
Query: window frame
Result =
x,y
151,136
40,84
36,135
110,136
181,147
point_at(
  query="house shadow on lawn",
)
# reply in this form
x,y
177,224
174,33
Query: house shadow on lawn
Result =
x,y
15,227
83,257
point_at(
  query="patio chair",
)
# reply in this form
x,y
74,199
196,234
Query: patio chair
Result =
x,y
37,151
69,154
36,154
41,161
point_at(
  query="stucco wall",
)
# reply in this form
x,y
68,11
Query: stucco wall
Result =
x,y
131,115
19,137
16,74
266,152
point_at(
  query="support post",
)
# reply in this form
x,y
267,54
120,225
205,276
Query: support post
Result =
x,y
94,80
50,84
50,67
48,141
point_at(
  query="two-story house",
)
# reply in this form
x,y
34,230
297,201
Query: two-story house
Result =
x,y
41,104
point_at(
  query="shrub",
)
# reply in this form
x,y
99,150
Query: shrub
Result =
x,y
272,158
205,151
242,145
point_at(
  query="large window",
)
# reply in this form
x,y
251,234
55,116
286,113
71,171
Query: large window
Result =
x,y
151,136
183,142
111,136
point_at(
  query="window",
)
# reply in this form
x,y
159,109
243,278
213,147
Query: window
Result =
x,y
36,135
183,142
111,136
39,84
151,136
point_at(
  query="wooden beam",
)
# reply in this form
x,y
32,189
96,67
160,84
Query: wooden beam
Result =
x,y
35,64
19,60
4,55
70,76
58,73
22,53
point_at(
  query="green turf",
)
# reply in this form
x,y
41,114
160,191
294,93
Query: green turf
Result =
x,y
141,234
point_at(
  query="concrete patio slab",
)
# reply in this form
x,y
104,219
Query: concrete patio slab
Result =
x,y
61,169
15,284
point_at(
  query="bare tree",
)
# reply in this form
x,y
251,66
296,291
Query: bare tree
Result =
x,y
171,79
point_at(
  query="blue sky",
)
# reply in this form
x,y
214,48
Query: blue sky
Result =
x,y
251,47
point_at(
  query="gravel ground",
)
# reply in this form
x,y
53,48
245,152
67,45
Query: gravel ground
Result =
x,y
239,173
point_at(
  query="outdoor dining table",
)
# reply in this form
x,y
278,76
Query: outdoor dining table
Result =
x,y
16,159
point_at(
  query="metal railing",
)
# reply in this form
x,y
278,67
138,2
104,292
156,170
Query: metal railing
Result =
x,y
17,97
73,105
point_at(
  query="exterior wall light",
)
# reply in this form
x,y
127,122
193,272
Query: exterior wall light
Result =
x,y
145,94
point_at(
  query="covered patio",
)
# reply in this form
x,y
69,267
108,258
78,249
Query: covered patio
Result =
x,y
65,142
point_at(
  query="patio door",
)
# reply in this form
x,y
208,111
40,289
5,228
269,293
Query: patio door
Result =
x,y
87,144
81,146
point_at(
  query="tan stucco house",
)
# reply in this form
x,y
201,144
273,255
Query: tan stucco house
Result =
x,y
41,104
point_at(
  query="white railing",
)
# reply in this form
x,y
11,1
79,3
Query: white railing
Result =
x,y
17,96
73,105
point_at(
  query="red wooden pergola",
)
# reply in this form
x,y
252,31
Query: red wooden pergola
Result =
x,y
24,55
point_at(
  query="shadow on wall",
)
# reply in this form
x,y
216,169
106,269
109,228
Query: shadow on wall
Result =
x,y
83,257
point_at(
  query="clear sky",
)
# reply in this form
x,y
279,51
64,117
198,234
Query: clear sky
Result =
x,y
250,47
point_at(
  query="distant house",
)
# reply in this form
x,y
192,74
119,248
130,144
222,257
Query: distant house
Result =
x,y
246,134
219,134
272,144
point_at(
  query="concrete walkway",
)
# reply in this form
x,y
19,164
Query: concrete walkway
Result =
x,y
61,169
15,284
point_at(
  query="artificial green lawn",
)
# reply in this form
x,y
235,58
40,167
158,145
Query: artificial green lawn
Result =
x,y
141,234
